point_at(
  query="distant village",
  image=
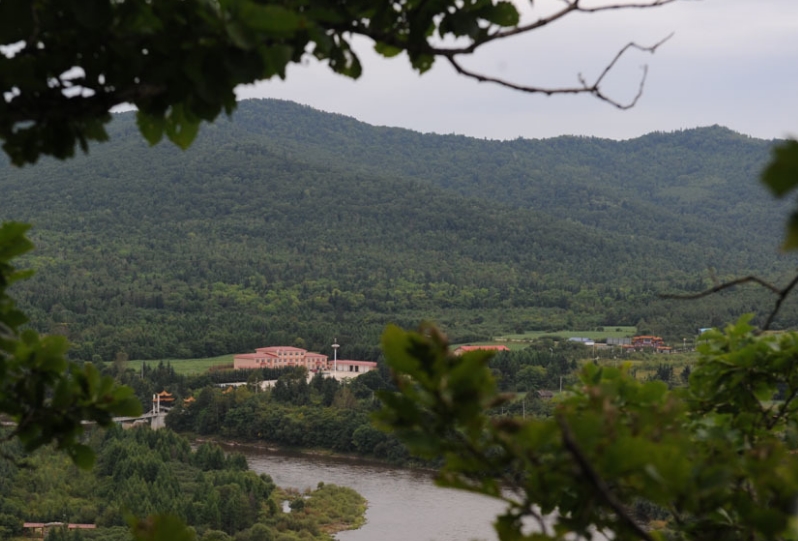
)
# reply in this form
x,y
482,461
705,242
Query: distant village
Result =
x,y
289,356
285,356
653,344
342,369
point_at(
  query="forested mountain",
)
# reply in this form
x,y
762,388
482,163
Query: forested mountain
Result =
x,y
289,225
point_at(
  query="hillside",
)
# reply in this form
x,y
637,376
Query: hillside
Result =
x,y
700,183
294,226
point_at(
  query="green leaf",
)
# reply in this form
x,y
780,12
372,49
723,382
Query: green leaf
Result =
x,y
239,34
181,126
150,126
13,242
161,528
16,20
791,235
82,456
396,344
781,174
125,402
270,18
388,51
277,58
502,14
92,14
423,62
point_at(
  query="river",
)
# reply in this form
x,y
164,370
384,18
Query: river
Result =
x,y
403,504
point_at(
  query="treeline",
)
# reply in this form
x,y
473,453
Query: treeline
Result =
x,y
321,414
290,226
141,472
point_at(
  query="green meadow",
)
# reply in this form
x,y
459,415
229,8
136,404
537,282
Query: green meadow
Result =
x,y
187,366
596,334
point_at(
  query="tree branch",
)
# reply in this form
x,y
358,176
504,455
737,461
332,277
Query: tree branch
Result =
x,y
721,287
597,482
781,294
782,410
593,89
572,6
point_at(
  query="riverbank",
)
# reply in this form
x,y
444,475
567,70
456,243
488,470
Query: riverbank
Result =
x,y
403,503
237,445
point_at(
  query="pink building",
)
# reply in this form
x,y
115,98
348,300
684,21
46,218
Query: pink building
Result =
x,y
280,357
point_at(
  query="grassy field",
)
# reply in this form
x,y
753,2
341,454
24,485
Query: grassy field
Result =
x,y
187,366
608,332
520,341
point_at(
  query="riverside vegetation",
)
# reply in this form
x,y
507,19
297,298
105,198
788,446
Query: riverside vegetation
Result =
x,y
140,472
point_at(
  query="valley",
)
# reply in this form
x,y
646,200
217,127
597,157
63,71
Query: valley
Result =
x,y
287,225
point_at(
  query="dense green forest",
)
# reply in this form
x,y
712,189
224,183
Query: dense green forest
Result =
x,y
291,226
140,472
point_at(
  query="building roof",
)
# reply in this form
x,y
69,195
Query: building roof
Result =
x,y
163,397
280,348
260,355
487,347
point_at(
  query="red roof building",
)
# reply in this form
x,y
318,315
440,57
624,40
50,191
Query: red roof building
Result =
x,y
646,342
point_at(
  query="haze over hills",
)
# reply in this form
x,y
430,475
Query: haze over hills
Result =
x,y
289,225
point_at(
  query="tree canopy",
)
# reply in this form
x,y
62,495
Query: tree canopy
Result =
x,y
45,395
65,65
716,460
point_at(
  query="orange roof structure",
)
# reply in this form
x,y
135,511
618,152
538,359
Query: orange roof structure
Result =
x,y
487,347
165,396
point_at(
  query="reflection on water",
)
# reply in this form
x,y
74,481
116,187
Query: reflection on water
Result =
x,y
404,505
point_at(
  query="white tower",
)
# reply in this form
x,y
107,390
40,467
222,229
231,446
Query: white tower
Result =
x,y
335,347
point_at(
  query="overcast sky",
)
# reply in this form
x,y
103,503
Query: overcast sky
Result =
x,y
730,62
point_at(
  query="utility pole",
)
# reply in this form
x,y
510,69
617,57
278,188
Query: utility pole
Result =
x,y
335,347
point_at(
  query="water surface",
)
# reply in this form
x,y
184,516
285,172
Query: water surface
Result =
x,y
404,505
